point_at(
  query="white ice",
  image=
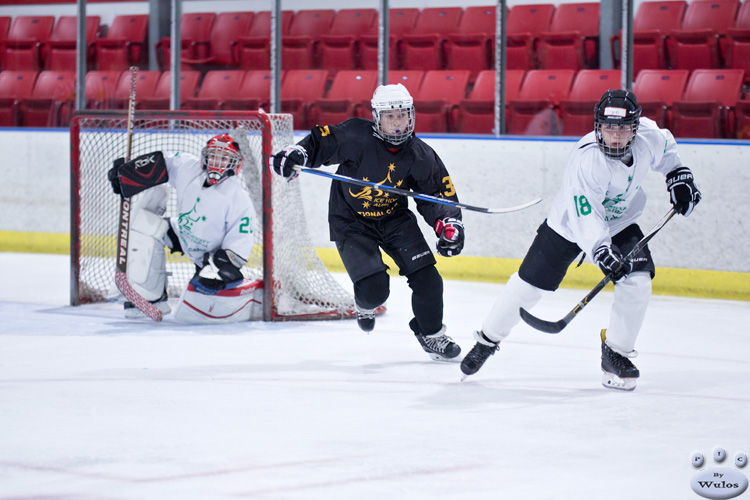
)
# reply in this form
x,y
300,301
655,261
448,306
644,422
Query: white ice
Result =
x,y
93,406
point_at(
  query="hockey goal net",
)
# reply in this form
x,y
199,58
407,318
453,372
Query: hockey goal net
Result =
x,y
297,285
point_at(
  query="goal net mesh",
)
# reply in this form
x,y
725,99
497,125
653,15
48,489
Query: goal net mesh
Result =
x,y
300,285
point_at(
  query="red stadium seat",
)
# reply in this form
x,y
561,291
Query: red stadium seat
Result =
x,y
125,43
301,48
439,92
706,109
14,86
423,48
51,102
217,87
195,36
60,53
26,38
525,24
228,27
146,82
742,123
534,112
254,50
350,89
4,26
657,89
340,48
100,88
400,22
572,41
254,92
469,47
652,23
189,80
696,43
576,112
738,42
299,90
476,113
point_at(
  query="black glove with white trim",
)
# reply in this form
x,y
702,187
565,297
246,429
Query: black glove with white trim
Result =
x,y
451,233
611,262
284,161
682,191
228,265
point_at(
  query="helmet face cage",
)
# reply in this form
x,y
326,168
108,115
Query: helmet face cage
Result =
x,y
616,119
221,158
393,113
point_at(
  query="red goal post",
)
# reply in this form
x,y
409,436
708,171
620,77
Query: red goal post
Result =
x,y
297,285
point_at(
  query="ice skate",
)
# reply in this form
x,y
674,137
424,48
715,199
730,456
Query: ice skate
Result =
x,y
483,349
618,371
439,346
365,319
132,312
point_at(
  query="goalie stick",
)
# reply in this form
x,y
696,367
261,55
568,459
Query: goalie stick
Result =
x,y
419,196
557,326
123,229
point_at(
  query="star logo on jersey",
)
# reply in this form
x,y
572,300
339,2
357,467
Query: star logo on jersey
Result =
x,y
366,193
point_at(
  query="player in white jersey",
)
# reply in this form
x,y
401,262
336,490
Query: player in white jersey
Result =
x,y
595,211
213,228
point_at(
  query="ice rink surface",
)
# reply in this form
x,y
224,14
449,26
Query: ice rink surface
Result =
x,y
93,406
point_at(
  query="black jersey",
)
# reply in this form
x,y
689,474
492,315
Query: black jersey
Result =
x,y
363,155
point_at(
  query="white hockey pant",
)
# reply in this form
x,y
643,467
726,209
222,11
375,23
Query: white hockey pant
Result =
x,y
632,295
147,265
504,314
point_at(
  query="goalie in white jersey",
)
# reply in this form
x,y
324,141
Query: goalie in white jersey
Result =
x,y
595,211
213,228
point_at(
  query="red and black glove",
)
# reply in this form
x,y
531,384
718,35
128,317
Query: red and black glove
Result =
x,y
451,233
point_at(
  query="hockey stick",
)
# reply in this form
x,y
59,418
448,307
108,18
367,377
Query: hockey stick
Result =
x,y
419,196
557,326
123,233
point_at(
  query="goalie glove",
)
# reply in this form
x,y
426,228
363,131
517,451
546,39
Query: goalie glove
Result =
x,y
682,191
611,262
227,264
131,177
451,233
284,161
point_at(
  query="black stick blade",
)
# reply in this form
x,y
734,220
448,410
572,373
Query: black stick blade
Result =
x,y
542,325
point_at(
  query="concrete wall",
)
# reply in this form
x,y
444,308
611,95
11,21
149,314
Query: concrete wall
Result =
x,y
34,194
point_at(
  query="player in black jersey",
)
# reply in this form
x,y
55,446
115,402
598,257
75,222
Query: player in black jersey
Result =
x,y
364,220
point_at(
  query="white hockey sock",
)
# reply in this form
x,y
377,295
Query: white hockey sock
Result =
x,y
504,314
632,295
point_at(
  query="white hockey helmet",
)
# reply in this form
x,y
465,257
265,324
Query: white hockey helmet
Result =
x,y
393,113
221,158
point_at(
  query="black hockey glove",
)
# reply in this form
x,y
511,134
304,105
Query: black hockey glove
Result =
x,y
682,191
228,265
132,177
451,233
284,161
611,262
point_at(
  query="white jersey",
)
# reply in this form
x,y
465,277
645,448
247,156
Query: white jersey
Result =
x,y
210,218
600,196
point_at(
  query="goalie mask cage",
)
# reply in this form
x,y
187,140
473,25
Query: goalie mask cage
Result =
x,y
297,286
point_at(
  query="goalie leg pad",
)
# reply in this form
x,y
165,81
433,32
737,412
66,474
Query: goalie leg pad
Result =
x,y
241,303
147,266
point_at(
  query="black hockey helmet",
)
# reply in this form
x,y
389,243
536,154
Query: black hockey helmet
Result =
x,y
617,112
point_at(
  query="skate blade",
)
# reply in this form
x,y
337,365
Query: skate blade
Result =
x,y
612,381
438,357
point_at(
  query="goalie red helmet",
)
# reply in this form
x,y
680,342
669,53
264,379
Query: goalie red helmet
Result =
x,y
616,119
221,158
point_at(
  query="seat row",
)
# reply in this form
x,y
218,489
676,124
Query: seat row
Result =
x,y
420,39
704,103
680,35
